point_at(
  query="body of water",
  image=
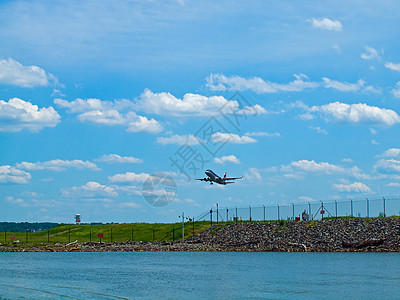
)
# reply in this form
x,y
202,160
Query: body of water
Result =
x,y
199,275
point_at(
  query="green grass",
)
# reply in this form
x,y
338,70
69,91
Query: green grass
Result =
x,y
111,232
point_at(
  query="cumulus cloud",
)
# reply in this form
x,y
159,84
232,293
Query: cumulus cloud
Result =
x,y
91,189
312,166
370,53
393,66
118,112
220,137
387,166
129,177
57,165
327,24
220,82
396,90
228,158
9,174
267,134
357,187
253,174
17,114
349,87
14,73
115,158
360,113
393,152
177,139
190,105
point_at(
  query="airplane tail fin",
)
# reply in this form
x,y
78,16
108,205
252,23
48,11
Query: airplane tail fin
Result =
x,y
225,175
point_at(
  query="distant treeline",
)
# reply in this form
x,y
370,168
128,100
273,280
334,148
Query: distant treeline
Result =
x,y
34,227
23,226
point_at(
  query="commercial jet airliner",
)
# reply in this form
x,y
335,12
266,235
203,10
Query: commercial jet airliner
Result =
x,y
212,177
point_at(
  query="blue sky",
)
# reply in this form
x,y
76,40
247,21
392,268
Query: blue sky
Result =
x,y
96,97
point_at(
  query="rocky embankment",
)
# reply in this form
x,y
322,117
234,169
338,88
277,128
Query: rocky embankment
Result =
x,y
366,235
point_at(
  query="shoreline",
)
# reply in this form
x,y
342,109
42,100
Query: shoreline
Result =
x,y
348,235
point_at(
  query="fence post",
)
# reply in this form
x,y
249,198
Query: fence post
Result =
x,y
384,207
211,216
351,208
153,236
309,211
335,209
322,208
292,211
217,213
227,215
278,212
250,211
236,214
367,208
264,212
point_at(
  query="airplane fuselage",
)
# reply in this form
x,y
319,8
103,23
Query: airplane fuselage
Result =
x,y
214,177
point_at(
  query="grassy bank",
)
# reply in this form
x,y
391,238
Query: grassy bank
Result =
x,y
111,233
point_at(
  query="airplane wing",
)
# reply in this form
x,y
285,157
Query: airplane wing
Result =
x,y
203,179
232,178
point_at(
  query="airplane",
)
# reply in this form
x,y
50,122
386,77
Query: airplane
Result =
x,y
212,177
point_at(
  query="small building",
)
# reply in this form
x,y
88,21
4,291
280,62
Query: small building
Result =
x,y
77,219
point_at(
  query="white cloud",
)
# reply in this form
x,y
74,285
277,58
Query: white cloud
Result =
x,y
12,200
224,159
347,160
189,139
267,134
360,113
220,82
370,53
319,130
115,158
389,166
91,189
118,112
327,24
17,114
14,73
129,205
220,137
393,152
190,105
393,66
396,90
57,165
393,184
312,166
9,174
253,174
349,87
129,177
357,187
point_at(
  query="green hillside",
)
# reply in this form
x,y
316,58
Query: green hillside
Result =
x,y
111,233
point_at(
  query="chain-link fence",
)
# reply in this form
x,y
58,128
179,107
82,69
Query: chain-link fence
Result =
x,y
353,208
